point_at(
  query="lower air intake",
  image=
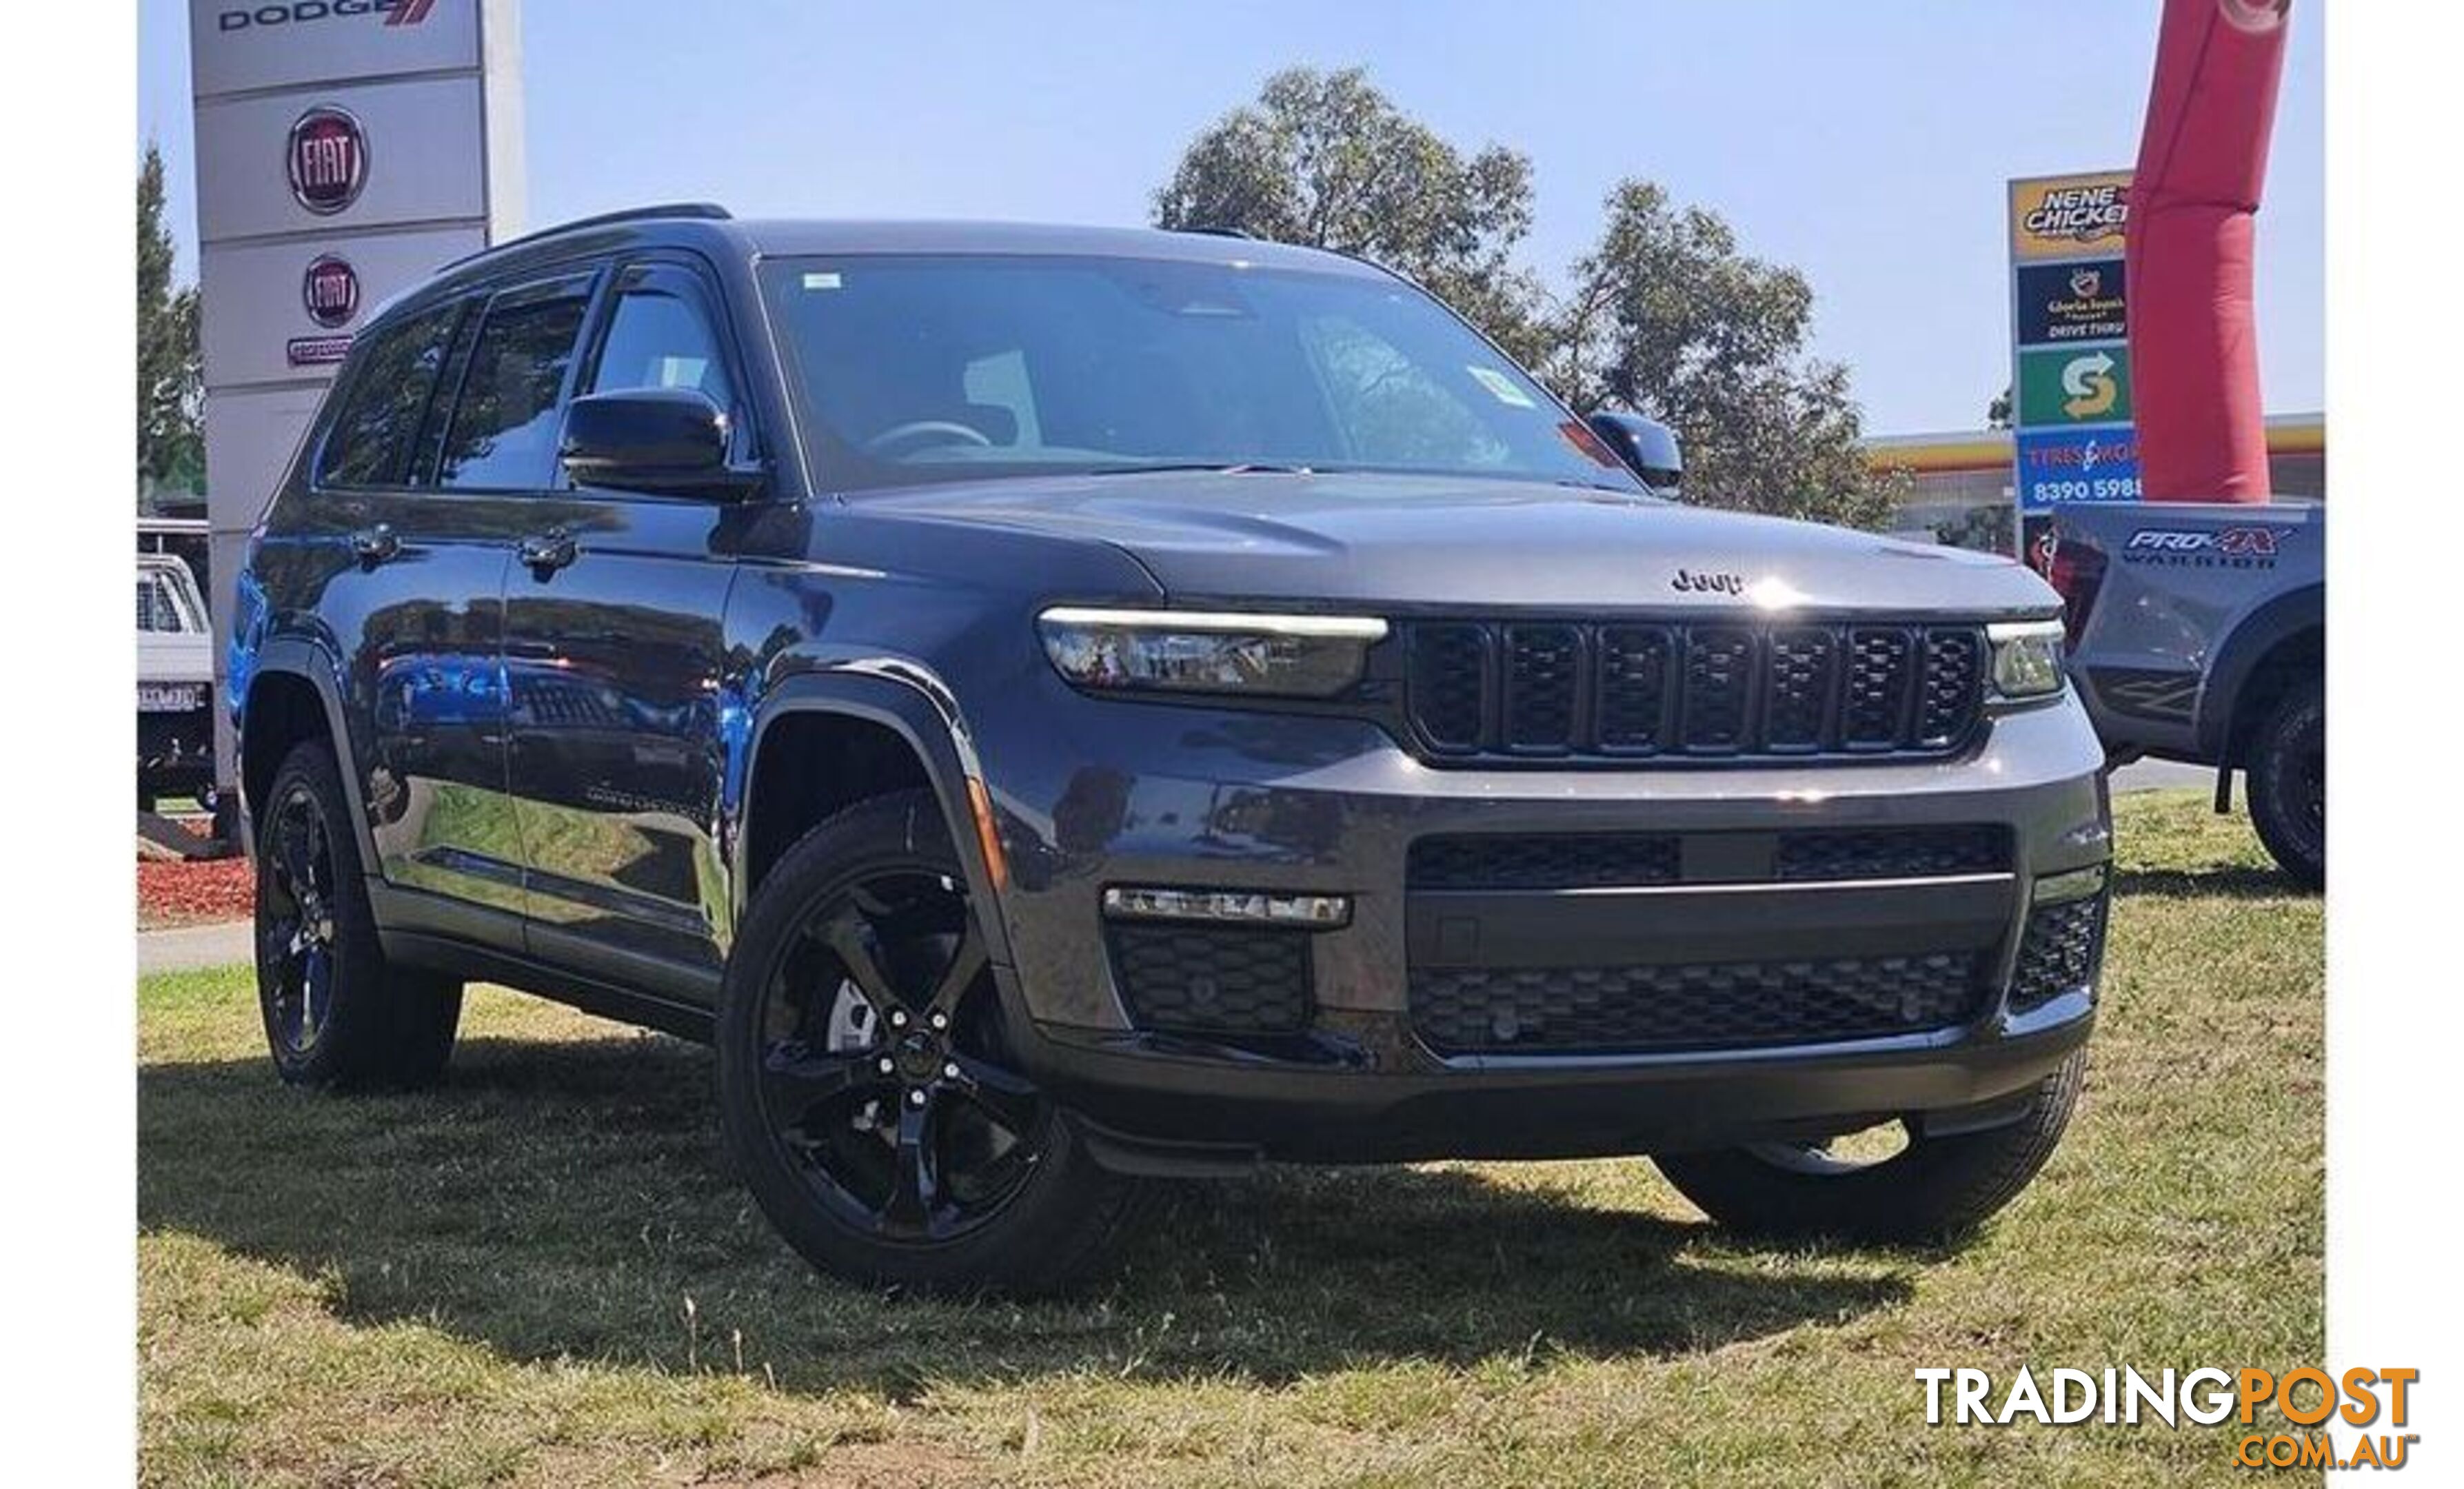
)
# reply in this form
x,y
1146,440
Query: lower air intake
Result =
x,y
1687,1006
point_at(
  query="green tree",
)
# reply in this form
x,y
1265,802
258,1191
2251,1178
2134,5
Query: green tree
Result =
x,y
1327,160
170,366
1667,315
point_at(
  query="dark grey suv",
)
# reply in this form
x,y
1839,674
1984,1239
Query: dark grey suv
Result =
x,y
1058,707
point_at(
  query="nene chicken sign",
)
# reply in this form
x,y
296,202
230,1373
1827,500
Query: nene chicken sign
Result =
x,y
346,149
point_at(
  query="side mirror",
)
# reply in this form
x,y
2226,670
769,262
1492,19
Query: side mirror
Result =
x,y
1647,446
669,440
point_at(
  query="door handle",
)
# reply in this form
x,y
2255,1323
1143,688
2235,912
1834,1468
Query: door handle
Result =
x,y
545,552
375,545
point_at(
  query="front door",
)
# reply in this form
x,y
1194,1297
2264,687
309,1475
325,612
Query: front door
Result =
x,y
614,653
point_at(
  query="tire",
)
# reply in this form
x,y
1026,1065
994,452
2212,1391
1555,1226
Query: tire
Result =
x,y
1934,1190
860,935
337,1012
2288,782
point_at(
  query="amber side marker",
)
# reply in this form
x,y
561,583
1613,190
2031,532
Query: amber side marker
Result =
x,y
987,835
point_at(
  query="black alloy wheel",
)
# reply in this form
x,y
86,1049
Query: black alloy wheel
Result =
x,y
869,1082
338,1010
881,1076
297,925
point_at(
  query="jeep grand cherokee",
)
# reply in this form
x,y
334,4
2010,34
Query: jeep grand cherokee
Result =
x,y
1057,707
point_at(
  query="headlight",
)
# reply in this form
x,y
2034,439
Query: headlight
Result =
x,y
1292,656
2027,657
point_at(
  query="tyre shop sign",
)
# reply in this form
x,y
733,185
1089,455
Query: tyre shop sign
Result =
x,y
328,160
2056,465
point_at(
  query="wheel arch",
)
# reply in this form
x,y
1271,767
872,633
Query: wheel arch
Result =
x,y
2279,643
898,729
293,696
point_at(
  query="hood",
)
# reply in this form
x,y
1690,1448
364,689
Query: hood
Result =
x,y
1332,541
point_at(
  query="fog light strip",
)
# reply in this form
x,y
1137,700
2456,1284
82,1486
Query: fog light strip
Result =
x,y
1238,905
2076,884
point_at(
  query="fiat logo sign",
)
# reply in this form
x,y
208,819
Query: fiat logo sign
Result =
x,y
328,160
330,289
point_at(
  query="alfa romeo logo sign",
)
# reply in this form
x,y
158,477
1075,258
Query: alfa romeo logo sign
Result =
x,y
328,160
330,291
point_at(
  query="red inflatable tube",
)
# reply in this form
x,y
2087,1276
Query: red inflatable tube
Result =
x,y
2202,160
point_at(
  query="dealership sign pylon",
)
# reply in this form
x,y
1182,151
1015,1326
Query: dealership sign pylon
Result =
x,y
2072,434
344,150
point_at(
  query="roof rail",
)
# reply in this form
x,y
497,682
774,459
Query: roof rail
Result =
x,y
703,211
1223,231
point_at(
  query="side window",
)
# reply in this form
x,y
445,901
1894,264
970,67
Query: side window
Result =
x,y
371,437
1387,410
505,420
659,335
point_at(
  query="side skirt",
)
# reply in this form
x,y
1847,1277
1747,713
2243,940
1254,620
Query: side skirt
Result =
x,y
485,946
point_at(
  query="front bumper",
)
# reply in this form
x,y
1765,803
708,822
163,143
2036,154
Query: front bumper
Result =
x,y
1333,805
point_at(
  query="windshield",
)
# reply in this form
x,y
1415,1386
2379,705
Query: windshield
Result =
x,y
938,368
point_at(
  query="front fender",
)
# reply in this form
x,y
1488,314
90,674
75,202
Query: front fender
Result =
x,y
912,701
292,656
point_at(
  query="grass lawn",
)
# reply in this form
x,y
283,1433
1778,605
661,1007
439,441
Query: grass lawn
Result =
x,y
544,1275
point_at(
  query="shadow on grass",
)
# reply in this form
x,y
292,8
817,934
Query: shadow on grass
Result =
x,y
2221,881
566,1199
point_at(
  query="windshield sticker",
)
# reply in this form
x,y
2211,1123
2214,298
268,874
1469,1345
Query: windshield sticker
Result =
x,y
1502,388
826,279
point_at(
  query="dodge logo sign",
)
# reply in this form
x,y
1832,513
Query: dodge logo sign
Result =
x,y
330,289
329,160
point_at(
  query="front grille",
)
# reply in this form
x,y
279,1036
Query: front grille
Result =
x,y
1722,690
1212,979
2062,950
1687,1006
1605,860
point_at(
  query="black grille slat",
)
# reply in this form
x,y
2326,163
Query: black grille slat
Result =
x,y
1720,689
1947,697
1722,1005
1797,688
1880,672
1212,979
2063,948
1543,678
1450,686
1632,706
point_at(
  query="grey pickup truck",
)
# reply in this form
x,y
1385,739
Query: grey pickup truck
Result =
x,y
2198,632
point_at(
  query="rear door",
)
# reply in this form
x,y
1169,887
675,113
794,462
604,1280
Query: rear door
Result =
x,y
413,595
615,648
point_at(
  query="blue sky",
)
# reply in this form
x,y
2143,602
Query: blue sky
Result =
x,y
1866,143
